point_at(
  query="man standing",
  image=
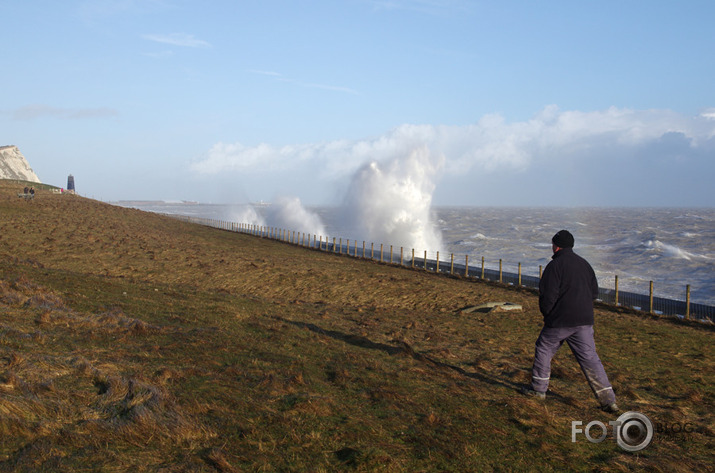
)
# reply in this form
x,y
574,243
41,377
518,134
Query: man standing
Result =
x,y
567,290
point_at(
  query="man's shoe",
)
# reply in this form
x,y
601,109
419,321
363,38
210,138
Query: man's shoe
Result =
x,y
530,392
611,408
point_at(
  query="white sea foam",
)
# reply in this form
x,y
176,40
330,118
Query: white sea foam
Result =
x,y
665,249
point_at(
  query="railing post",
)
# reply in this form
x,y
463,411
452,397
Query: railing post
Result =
x,y
341,245
347,246
687,302
363,249
519,274
650,303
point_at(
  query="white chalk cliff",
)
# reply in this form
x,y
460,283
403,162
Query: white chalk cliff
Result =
x,y
13,165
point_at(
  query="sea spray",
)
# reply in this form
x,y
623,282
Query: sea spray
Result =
x,y
289,213
243,213
390,202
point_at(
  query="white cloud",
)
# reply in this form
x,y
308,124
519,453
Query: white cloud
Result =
x,y
613,156
492,143
178,39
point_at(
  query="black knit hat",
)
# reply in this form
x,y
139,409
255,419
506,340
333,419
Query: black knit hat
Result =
x,y
563,239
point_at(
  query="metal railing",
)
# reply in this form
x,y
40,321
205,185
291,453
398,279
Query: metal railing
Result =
x,y
432,263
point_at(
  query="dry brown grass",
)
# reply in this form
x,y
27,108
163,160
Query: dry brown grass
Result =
x,y
134,342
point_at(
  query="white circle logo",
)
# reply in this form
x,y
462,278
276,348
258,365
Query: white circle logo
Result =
x,y
634,431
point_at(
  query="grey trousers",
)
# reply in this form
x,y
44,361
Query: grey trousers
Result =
x,y
580,340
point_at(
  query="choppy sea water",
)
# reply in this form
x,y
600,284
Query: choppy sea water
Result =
x,y
673,247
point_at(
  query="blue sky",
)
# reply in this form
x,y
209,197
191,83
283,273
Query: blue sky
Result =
x,y
503,103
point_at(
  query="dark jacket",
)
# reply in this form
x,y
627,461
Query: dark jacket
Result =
x,y
567,290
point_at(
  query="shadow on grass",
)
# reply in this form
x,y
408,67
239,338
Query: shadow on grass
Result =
x,y
404,349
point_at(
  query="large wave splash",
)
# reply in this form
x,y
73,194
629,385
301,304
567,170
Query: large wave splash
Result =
x,y
390,202
290,214
245,214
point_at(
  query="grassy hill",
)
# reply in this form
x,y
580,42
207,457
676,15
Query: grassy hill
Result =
x,y
134,342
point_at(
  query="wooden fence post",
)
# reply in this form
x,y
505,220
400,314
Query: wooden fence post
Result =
x,y
390,254
380,252
616,284
425,260
482,267
540,273
650,303
451,263
402,256
519,274
687,302
413,257
500,278
436,269
466,266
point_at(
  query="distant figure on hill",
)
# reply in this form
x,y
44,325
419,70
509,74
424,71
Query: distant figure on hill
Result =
x,y
25,190
566,294
32,191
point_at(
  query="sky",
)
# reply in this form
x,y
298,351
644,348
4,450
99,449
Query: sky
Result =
x,y
513,103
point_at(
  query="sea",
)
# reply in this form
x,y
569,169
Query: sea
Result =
x,y
672,247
